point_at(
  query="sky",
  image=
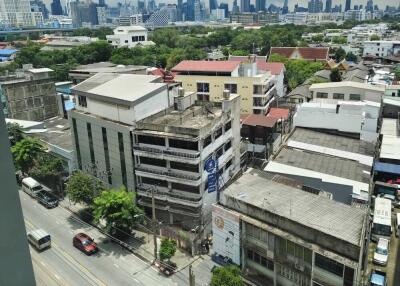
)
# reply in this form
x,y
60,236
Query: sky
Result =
x,y
381,3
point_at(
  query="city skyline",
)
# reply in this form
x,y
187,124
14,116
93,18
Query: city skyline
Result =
x,y
291,3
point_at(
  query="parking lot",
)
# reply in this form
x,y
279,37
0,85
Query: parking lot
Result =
x,y
393,268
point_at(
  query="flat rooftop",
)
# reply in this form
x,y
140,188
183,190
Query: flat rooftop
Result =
x,y
354,84
172,121
120,88
317,212
332,141
322,163
106,67
57,132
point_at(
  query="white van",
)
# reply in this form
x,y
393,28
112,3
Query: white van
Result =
x,y
31,186
397,225
39,239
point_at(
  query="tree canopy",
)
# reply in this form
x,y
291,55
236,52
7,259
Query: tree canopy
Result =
x,y
118,209
226,276
48,170
83,188
167,248
25,152
335,75
14,132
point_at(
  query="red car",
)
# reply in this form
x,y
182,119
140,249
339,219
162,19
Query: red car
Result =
x,y
85,243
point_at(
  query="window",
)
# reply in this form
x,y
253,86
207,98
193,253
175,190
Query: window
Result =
x,y
322,95
228,145
218,133
182,144
348,276
260,259
152,161
355,97
228,164
328,264
151,140
106,154
338,96
184,167
122,157
232,87
219,153
82,101
207,141
203,87
78,150
154,182
185,188
228,125
90,138
126,41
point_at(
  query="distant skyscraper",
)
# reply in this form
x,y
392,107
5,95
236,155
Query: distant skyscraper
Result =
x,y
197,11
102,3
225,7
244,6
285,8
235,7
189,15
56,8
315,6
370,6
348,5
328,6
213,5
260,5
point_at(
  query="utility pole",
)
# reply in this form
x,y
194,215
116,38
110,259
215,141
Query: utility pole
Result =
x,y
191,277
153,210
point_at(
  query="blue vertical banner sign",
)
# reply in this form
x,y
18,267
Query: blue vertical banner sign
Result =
x,y
211,167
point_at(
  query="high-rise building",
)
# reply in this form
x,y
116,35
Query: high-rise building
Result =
x,y
56,8
235,7
198,15
315,6
225,7
244,6
370,6
285,8
102,3
17,13
348,5
83,12
189,13
328,6
213,5
179,11
260,5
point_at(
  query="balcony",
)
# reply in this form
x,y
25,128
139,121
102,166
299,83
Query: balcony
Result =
x,y
265,92
176,176
170,196
181,155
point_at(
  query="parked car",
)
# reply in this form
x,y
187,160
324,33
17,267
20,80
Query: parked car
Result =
x,y
378,278
166,267
31,186
381,252
85,243
221,260
47,199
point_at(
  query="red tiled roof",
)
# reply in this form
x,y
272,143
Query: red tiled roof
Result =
x,y
320,53
275,67
260,120
278,113
206,66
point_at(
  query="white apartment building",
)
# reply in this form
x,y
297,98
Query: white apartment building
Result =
x,y
107,107
17,13
102,15
333,92
302,18
171,150
129,36
359,117
381,48
136,19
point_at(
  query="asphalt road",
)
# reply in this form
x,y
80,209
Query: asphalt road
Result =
x,y
63,264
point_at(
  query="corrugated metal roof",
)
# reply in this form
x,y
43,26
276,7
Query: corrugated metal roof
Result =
x,y
260,120
387,168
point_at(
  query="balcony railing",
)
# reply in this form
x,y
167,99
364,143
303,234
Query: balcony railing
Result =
x,y
167,152
143,190
169,173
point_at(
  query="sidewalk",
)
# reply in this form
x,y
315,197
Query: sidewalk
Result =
x,y
140,243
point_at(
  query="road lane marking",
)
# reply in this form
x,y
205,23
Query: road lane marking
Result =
x,y
116,265
58,277
41,262
57,222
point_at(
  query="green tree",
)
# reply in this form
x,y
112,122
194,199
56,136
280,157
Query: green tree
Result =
x,y
339,40
317,38
167,248
83,188
351,57
335,75
374,38
340,54
14,133
248,41
48,170
119,211
277,58
25,152
397,73
226,276
165,36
